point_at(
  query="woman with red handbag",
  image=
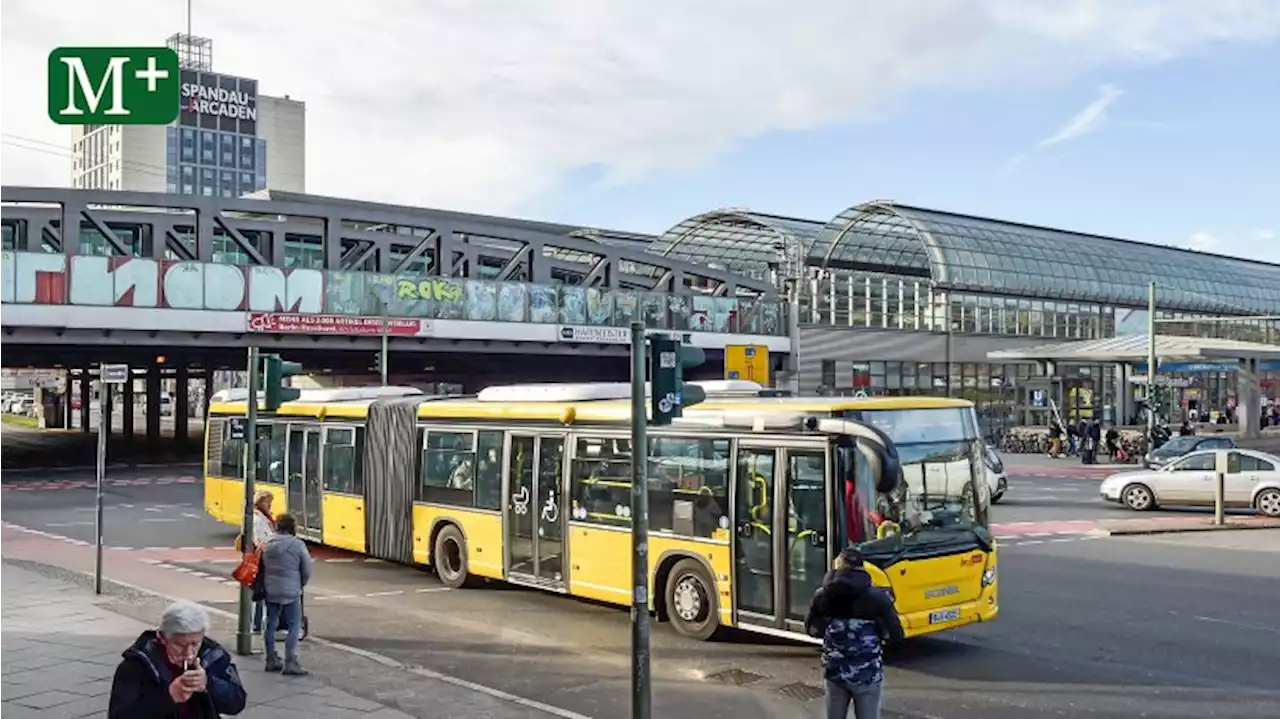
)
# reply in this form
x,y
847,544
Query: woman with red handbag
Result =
x,y
264,527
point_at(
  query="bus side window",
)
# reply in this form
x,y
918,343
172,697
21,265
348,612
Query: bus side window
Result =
x,y
601,489
689,486
448,466
340,459
488,479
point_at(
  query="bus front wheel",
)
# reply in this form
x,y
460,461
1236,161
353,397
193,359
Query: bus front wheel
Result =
x,y
450,557
691,600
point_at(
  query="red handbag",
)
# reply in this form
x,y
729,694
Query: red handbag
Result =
x,y
247,570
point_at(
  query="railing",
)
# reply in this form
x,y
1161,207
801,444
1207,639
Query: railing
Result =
x,y
54,279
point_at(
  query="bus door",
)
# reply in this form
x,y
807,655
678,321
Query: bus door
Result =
x,y
780,543
304,498
533,510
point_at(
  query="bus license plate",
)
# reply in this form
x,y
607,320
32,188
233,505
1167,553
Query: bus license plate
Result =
x,y
949,615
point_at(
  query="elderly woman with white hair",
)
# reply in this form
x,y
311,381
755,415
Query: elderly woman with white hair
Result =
x,y
176,672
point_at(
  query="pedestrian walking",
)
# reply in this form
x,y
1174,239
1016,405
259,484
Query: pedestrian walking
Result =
x,y
854,620
176,672
286,564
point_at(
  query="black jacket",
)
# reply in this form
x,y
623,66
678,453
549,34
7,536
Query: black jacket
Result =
x,y
140,689
848,594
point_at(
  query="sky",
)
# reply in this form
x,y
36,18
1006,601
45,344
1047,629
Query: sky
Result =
x,y
1153,120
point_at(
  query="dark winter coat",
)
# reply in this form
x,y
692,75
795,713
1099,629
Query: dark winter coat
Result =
x,y
853,618
140,689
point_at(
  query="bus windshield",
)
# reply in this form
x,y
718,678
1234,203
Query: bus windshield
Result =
x,y
944,494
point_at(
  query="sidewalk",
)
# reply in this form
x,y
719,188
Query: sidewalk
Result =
x,y
1042,465
62,644
1192,523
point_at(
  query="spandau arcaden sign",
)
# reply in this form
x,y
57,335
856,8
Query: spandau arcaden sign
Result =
x,y
206,100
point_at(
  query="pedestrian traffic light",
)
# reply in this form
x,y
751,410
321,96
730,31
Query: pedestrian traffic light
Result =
x,y
273,374
668,359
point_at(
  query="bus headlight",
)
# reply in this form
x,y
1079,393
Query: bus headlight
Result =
x,y
988,577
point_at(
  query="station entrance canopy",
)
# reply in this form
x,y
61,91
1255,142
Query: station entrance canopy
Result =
x,y
1133,349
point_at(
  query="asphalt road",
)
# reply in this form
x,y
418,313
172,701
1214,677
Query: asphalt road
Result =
x,y
24,449
1118,627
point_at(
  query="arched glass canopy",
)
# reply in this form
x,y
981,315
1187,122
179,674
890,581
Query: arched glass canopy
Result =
x,y
981,255
740,241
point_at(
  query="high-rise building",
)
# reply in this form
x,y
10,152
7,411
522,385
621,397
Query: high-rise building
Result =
x,y
228,140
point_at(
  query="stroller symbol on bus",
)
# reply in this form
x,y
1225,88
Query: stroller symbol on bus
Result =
x,y
520,501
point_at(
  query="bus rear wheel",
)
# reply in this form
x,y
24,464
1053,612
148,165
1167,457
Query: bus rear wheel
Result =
x,y
450,557
691,600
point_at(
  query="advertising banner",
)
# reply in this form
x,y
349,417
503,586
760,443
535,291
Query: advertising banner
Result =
x,y
282,323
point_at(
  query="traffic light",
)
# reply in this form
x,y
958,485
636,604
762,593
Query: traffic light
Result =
x,y
668,359
274,370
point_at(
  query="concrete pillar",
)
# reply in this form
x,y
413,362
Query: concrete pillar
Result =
x,y
126,408
181,402
1248,398
208,394
86,396
153,404
1124,393
68,392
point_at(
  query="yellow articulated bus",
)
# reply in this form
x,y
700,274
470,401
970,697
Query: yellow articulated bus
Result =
x,y
750,497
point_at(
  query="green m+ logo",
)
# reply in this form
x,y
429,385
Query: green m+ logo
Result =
x,y
113,86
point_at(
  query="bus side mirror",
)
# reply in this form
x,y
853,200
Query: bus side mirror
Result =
x,y
882,461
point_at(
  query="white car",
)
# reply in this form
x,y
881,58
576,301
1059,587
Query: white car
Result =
x,y
1252,481
997,479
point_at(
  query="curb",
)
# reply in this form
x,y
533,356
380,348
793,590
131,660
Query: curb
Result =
x,y
113,465
382,659
1137,531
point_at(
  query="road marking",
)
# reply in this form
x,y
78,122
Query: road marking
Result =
x,y
339,561
160,519
1241,625
69,524
1032,541
152,509
426,590
213,578
336,596
1039,534
196,573
385,594
189,515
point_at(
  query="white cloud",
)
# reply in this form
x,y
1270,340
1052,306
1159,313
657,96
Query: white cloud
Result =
x,y
1264,234
1202,241
486,104
1088,120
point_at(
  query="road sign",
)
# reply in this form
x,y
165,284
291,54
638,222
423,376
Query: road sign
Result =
x,y
115,373
114,86
236,428
747,362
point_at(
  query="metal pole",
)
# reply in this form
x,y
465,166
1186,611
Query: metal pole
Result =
x,y
1219,486
641,707
103,406
793,330
1151,363
244,629
383,359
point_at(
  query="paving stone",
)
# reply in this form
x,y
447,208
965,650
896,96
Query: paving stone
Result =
x,y
62,645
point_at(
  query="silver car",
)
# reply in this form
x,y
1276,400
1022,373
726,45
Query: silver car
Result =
x,y
1252,481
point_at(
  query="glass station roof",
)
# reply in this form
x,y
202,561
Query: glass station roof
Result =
x,y
965,253
738,240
